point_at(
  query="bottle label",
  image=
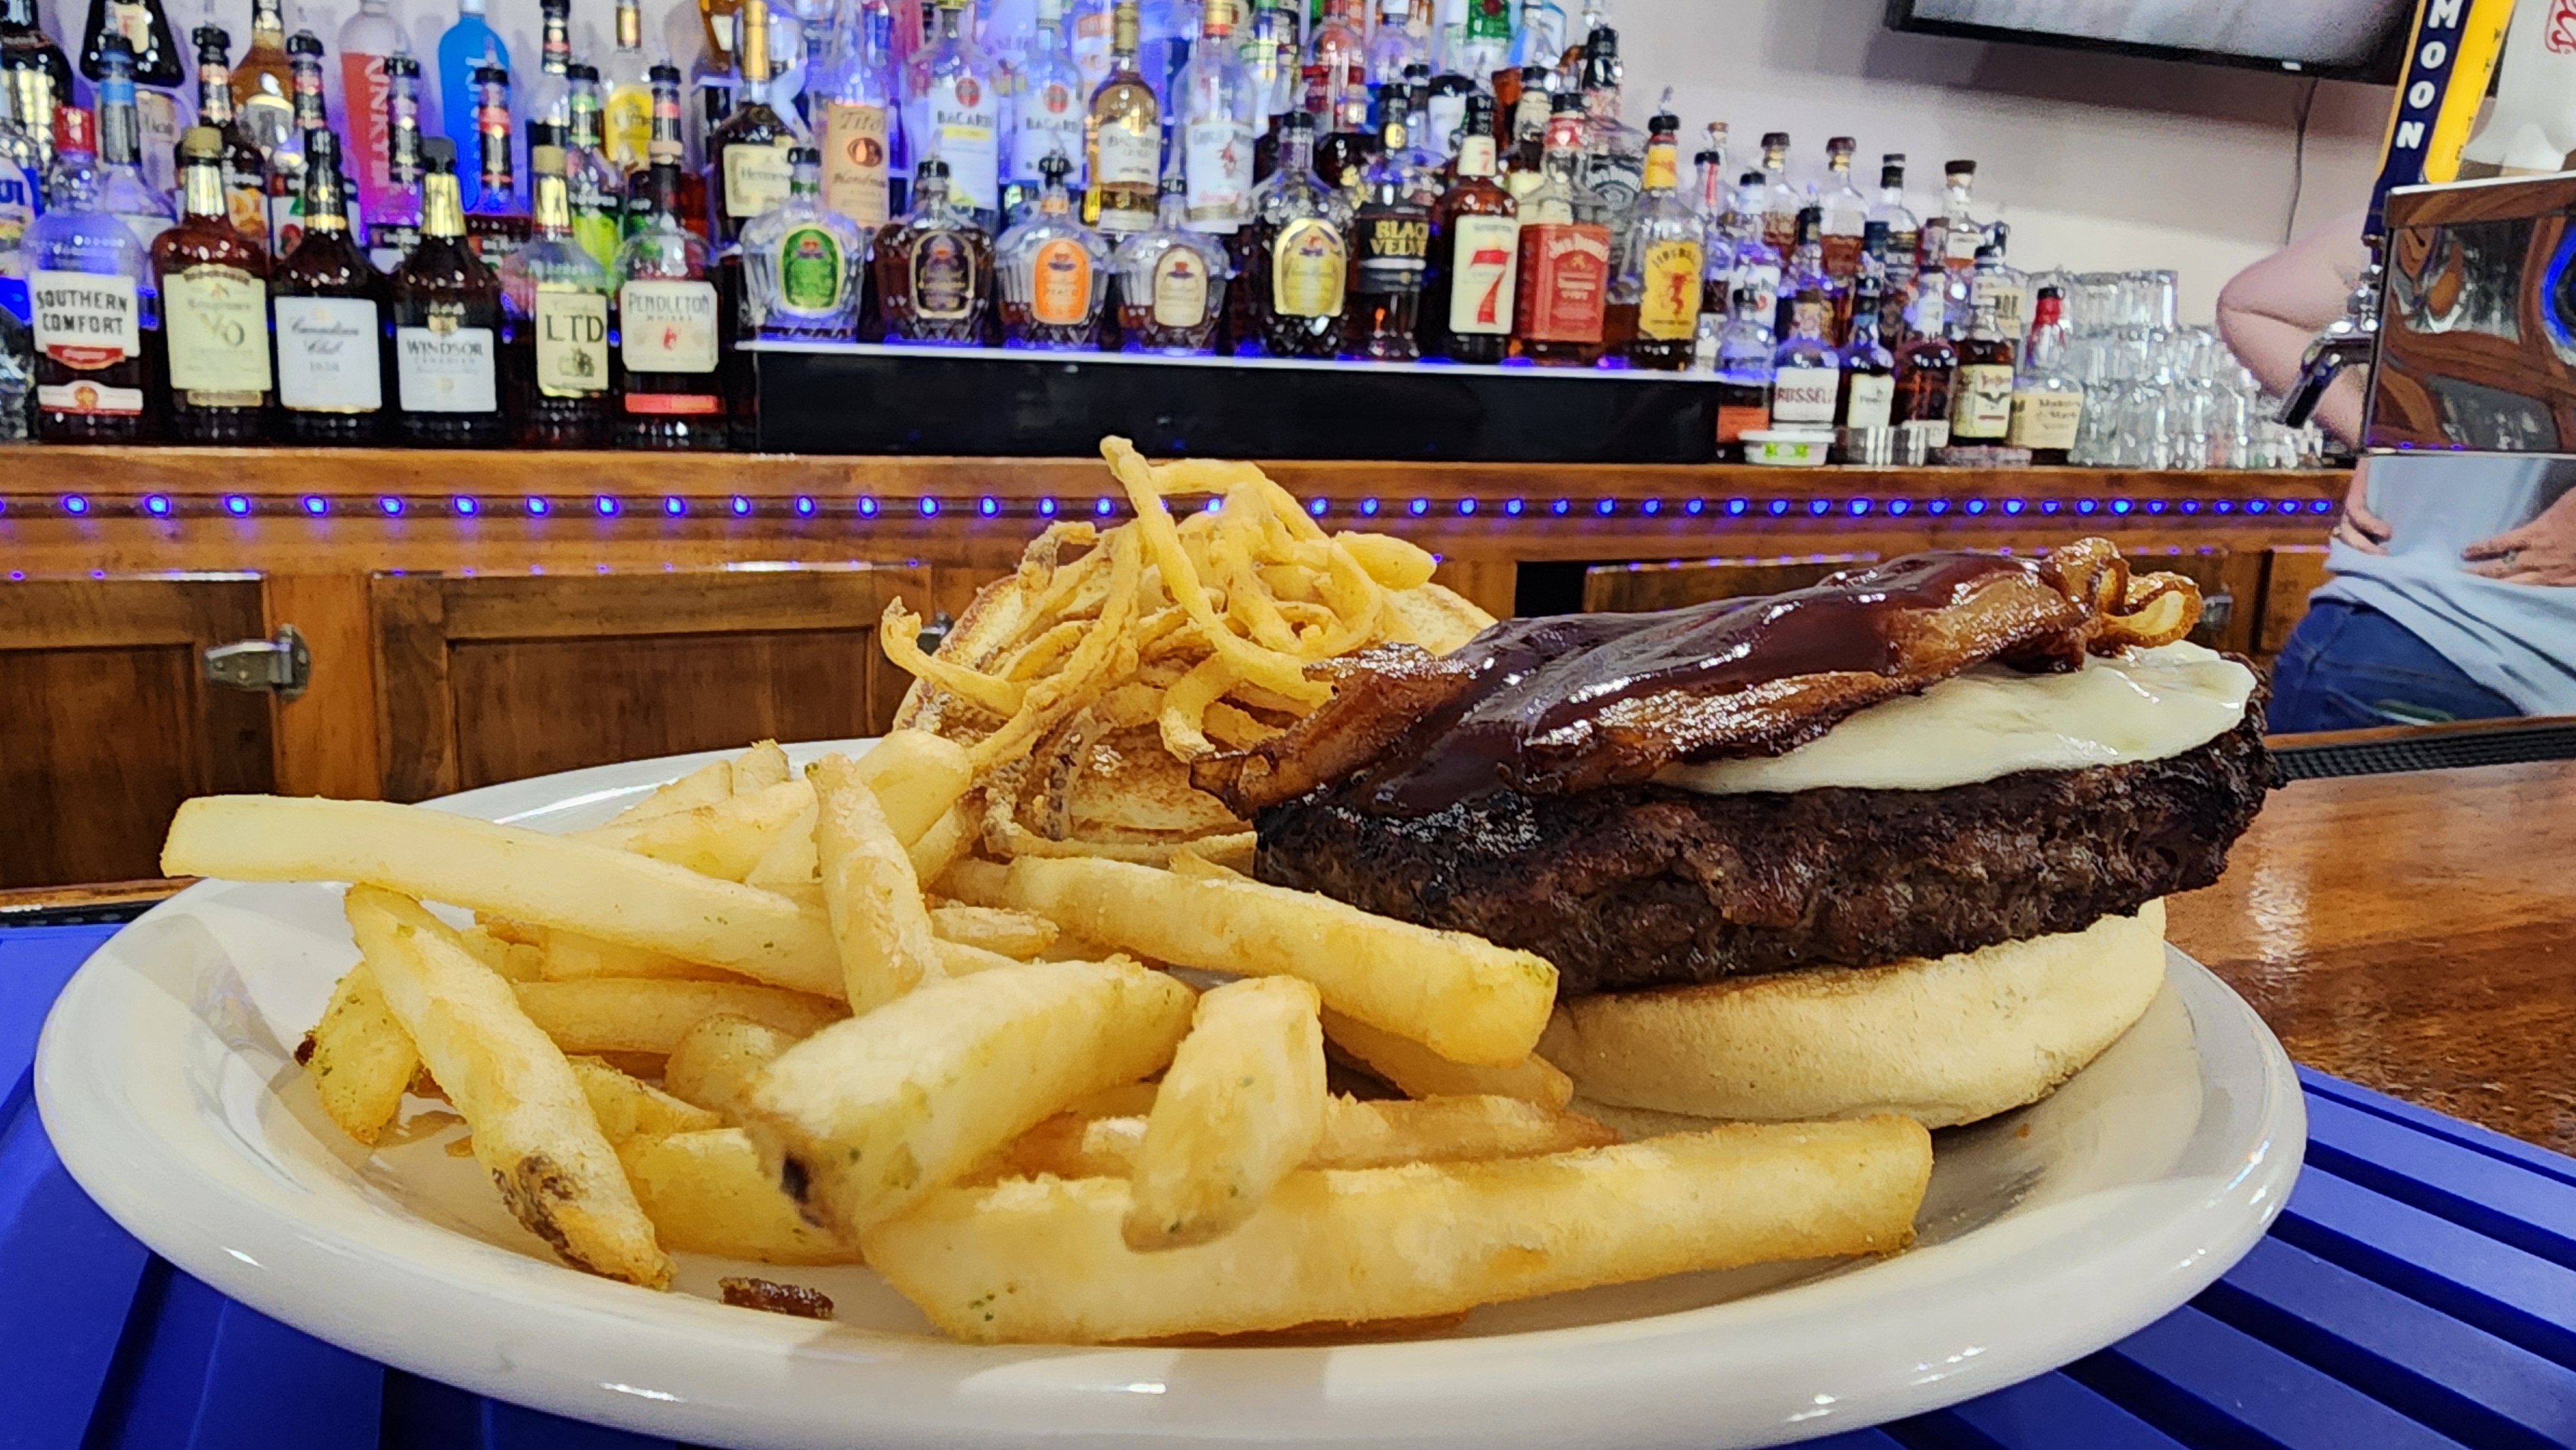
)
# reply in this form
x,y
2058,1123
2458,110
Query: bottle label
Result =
x,y
215,323
1668,311
445,369
855,158
2042,418
87,397
1565,278
1959,244
1529,117
1871,401
85,320
367,93
1218,171
1307,269
627,120
1484,259
1129,156
572,342
19,190
1180,288
755,179
964,132
1734,420
2006,298
131,20
1060,283
943,278
285,222
1981,401
1804,394
1475,155
813,272
1050,124
1393,246
1447,114
667,327
157,116
326,355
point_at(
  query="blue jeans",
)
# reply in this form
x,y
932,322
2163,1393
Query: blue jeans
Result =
x,y
2349,667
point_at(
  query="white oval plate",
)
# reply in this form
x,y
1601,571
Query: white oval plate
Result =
x,y
166,1081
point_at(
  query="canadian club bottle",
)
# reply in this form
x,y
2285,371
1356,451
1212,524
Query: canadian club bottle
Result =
x,y
1565,253
554,308
446,324
1475,252
1390,250
1299,268
668,330
214,307
330,364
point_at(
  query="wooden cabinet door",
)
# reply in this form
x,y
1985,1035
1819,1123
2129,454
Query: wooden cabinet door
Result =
x,y
492,678
107,721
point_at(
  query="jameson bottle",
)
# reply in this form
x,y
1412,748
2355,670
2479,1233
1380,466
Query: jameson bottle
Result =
x,y
214,307
328,308
446,324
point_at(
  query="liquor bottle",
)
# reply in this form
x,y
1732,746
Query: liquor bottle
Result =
x,y
1614,151
1484,48
1781,202
1710,162
1298,270
668,144
1475,252
245,187
39,76
122,191
628,109
1992,280
1806,372
1390,246
1089,25
1904,241
747,165
859,107
263,84
2048,399
1752,261
668,328
805,262
1219,114
466,46
1657,294
549,92
22,197
158,68
1981,391
934,266
1845,212
1565,253
1171,281
367,40
719,21
214,307
444,319
1123,138
1049,118
1925,364
97,315
952,110
391,237
593,187
329,311
554,324
1054,271
1393,45
1868,368
1337,90
1805,270
1536,42
285,182
496,221
1744,352
1950,240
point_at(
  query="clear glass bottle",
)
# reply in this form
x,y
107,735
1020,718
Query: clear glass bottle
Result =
x,y
549,92
465,46
1475,252
1925,364
1806,372
1745,348
1220,116
1053,103
159,68
214,308
286,160
1655,299
934,266
444,317
593,187
1393,43
1298,272
1614,162
97,312
1904,241
1844,212
1088,26
329,310
1484,47
627,110
804,263
1992,280
37,73
245,187
555,374
367,39
1054,271
1123,138
1390,246
860,119
122,191
669,330
952,110
747,166
1950,240
1171,281
1781,202
2048,399
1273,67
1336,88
1565,253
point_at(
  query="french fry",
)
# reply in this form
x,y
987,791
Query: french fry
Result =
x,y
606,1014
762,766
1467,999
869,892
1356,1135
568,956
1421,1073
713,1060
917,776
789,862
1392,562
1191,864
359,1057
945,843
995,929
871,1115
532,1124
724,840
957,959
703,786
1240,1108
524,875
706,1194
978,883
627,1108
517,961
1043,1259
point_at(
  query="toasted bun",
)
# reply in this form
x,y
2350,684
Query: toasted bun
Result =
x,y
1947,1041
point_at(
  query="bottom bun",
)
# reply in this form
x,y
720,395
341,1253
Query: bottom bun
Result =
x,y
1945,1041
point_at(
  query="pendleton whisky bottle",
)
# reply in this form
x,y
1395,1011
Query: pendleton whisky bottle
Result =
x,y
670,330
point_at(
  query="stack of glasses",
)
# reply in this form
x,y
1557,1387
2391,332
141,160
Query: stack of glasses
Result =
x,y
2161,396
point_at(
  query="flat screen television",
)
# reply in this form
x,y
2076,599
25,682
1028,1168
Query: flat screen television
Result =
x,y
2340,39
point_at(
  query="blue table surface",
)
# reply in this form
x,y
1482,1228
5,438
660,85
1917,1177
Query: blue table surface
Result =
x,y
2419,1290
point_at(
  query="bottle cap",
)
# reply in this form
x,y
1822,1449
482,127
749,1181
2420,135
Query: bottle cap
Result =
x,y
304,42
930,168
808,156
1958,168
1843,144
1775,138
438,153
1479,114
2052,292
75,129
1891,158
202,143
546,160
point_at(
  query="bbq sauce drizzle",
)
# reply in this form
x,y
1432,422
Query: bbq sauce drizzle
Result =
x,y
1537,683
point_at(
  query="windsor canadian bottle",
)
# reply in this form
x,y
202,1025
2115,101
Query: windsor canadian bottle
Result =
x,y
445,324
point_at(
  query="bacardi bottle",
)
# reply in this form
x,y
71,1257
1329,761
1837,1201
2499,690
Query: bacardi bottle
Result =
x,y
1565,253
1217,125
1125,138
214,307
952,110
1475,252
1049,118
669,331
445,324
329,315
554,325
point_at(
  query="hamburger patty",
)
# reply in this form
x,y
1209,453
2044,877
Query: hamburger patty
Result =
x,y
1646,886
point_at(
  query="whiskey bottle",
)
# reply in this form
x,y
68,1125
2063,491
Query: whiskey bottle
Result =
x,y
1924,368
1744,352
445,321
805,263
554,324
1390,246
1525,148
97,317
2048,400
1565,253
1781,202
1655,301
1806,373
934,266
1869,369
497,225
1171,281
1904,233
747,166
667,143
1124,138
1844,212
245,188
286,161
36,72
1475,252
328,308
1948,242
668,329
1299,261
1054,271
1981,390
214,307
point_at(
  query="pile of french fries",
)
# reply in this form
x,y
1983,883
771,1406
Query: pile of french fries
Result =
x,y
817,1018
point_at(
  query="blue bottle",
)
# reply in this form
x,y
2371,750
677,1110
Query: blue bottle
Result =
x,y
467,44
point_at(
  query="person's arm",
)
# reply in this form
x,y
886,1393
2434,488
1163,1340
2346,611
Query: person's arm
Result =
x,y
2269,311
2540,552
